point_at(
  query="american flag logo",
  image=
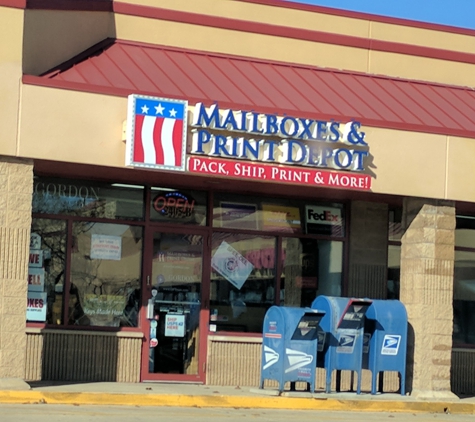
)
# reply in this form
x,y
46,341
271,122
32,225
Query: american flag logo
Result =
x,y
156,133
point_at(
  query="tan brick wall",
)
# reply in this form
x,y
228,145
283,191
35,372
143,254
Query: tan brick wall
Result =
x,y
427,268
237,362
16,185
86,356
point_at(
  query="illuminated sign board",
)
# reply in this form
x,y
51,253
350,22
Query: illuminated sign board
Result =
x,y
174,205
278,139
246,144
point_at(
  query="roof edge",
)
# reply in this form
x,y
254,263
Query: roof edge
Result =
x,y
83,5
107,5
291,32
363,15
84,55
15,4
106,43
124,93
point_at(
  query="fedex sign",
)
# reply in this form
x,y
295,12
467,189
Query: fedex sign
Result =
x,y
323,215
321,219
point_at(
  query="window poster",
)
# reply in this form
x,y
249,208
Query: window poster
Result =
x,y
177,267
36,299
229,263
103,305
36,258
36,306
174,325
281,218
36,279
106,247
236,215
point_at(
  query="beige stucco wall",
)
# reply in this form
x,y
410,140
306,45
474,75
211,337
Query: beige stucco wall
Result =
x,y
240,43
401,161
51,37
282,48
11,28
315,21
422,37
421,68
289,17
460,168
73,126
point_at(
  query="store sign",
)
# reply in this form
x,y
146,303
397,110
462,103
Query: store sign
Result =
x,y
156,133
278,148
278,139
55,197
321,219
174,205
245,144
69,192
278,173
323,215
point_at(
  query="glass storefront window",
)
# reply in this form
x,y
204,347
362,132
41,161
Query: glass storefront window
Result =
x,y
88,199
465,232
464,281
176,302
244,212
310,268
96,280
395,230
394,271
46,271
178,206
242,281
106,262
464,297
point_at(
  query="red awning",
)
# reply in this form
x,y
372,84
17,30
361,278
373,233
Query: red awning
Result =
x,y
122,68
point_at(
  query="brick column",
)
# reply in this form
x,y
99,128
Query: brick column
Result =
x,y
427,270
16,186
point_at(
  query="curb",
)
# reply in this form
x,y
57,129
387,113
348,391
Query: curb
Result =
x,y
289,403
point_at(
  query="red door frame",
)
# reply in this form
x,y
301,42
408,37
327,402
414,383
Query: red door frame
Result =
x,y
200,377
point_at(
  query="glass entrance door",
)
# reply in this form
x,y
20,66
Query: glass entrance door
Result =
x,y
173,308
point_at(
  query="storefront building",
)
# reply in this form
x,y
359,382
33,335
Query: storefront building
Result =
x,y
169,173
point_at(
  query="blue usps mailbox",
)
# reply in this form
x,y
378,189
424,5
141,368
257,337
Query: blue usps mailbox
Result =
x,y
343,324
387,326
289,345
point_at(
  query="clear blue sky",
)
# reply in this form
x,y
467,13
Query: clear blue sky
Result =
x,y
459,13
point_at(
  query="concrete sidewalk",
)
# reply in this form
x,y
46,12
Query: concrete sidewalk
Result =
x,y
192,395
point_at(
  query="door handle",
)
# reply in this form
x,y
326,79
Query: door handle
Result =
x,y
148,280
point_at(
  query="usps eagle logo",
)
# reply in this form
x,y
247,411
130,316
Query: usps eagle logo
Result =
x,y
156,133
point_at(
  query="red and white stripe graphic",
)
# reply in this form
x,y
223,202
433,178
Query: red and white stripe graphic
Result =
x,y
158,141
